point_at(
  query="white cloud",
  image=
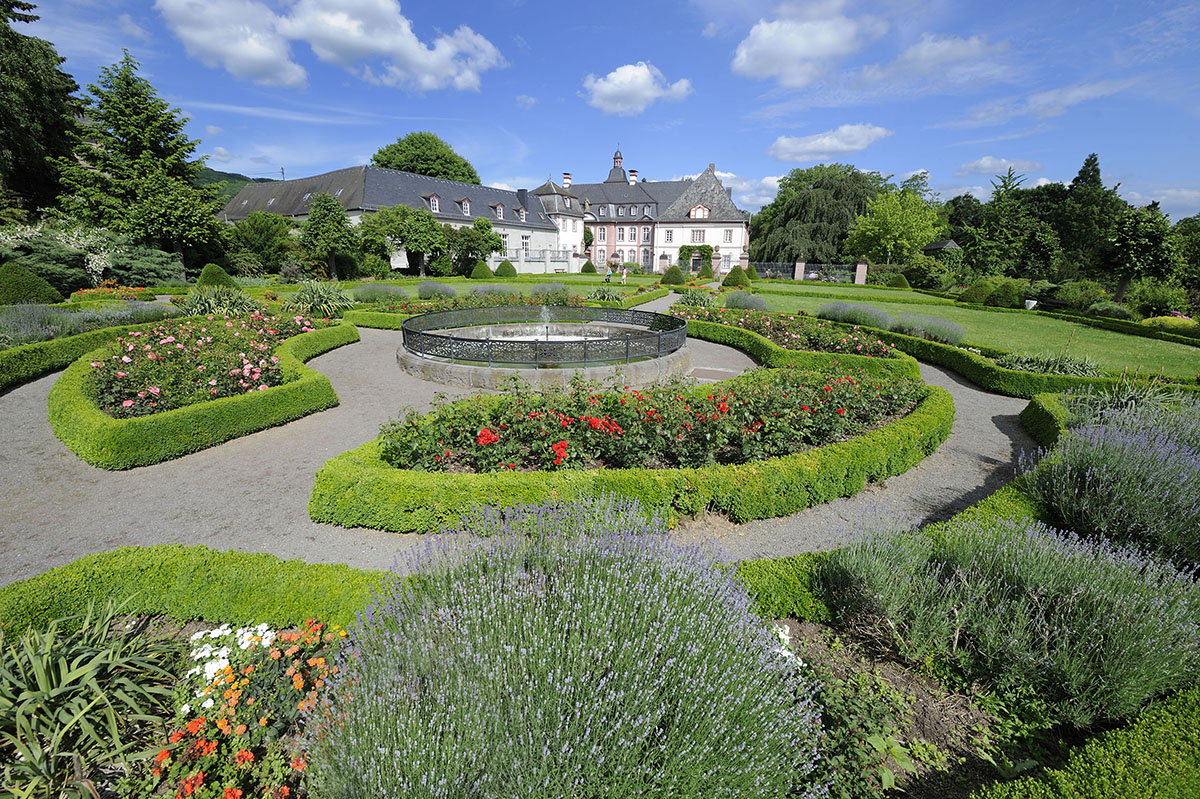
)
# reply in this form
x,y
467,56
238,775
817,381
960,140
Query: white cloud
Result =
x,y
1179,202
710,30
1044,181
914,173
630,89
990,165
240,35
525,102
212,130
940,63
131,28
843,140
795,51
285,114
221,154
1049,103
368,38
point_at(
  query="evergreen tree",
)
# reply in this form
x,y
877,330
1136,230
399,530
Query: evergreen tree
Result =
x,y
131,169
37,110
327,232
424,153
266,235
1088,217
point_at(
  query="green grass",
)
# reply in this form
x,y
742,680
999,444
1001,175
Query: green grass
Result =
x,y
848,293
1029,332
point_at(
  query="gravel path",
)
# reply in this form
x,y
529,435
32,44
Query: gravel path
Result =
x,y
251,494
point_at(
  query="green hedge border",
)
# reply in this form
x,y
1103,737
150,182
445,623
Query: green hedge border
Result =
x,y
110,443
632,301
19,365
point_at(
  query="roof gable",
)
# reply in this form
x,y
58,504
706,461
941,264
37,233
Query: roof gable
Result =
x,y
706,190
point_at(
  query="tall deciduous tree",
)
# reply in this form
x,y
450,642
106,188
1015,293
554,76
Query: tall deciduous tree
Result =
x,y
895,227
327,232
264,234
424,153
467,245
37,110
1187,237
400,227
131,169
1142,244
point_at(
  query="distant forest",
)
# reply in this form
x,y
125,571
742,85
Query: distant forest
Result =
x,y
227,183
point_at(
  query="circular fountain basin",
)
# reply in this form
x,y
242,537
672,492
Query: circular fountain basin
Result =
x,y
547,345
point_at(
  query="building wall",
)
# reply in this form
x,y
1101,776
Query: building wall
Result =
x,y
714,236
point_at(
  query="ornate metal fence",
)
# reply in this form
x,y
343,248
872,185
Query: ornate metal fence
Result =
x,y
426,335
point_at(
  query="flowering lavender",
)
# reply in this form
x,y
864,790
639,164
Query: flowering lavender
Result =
x,y
856,314
1133,474
606,663
27,323
1094,629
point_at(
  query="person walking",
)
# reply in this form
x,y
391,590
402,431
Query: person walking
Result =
x,y
624,273
608,274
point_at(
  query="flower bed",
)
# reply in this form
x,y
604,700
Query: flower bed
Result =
x,y
486,299
763,415
30,323
112,293
790,331
184,363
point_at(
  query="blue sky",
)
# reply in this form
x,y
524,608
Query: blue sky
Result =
x,y
527,89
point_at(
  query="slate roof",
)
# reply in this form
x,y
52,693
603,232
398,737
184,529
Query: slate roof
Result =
x,y
944,244
659,193
554,200
369,188
705,190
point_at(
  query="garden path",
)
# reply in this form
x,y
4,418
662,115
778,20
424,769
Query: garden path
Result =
x,y
251,494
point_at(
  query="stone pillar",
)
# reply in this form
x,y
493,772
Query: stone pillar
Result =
x,y
798,269
546,262
744,260
860,273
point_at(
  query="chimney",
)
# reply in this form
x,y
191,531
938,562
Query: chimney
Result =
x,y
566,180
632,176
523,197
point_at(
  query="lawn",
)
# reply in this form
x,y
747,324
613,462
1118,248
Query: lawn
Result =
x,y
850,292
1033,333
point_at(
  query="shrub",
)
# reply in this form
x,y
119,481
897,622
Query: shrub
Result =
x,y
213,275
697,298
706,271
373,266
606,294
1132,475
766,415
441,266
751,272
1009,293
588,268
856,314
636,660
483,291
481,271
1040,290
73,705
790,331
926,272
246,264
979,291
429,289
217,301
1150,297
506,269
1094,631
898,281
18,284
379,292
1109,310
322,300
1057,363
735,278
1173,324
1081,294
28,323
743,301
930,328
673,276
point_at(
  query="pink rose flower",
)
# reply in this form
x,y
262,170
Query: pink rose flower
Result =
x,y
127,403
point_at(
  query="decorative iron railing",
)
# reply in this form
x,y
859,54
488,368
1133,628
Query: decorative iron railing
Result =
x,y
428,335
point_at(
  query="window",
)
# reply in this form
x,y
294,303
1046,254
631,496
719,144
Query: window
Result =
x,y
600,255
525,245
603,211
521,213
668,236
499,211
244,203
633,234
602,234
306,196
466,207
645,234
728,236
647,256
337,193
271,202
698,212
619,255
726,261
698,236
620,210
620,234
567,201
435,204
574,225
646,210
504,241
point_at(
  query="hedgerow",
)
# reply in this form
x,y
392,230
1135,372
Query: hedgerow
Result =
x,y
112,443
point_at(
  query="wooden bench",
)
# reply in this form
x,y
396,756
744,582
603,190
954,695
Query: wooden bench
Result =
x,y
558,270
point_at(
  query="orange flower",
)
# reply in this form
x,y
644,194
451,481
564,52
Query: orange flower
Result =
x,y
262,722
162,756
243,757
195,725
298,763
232,793
239,729
275,654
175,736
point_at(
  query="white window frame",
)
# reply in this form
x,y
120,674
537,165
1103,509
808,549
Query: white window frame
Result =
x,y
435,204
499,211
521,213
620,234
620,210
646,233
525,241
603,211
567,201
728,235
466,207
602,234
600,254
698,236
698,212
574,225
668,236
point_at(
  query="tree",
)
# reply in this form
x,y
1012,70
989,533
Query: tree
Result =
x,y
468,245
588,237
37,110
896,226
1142,244
264,234
1087,218
131,169
1187,239
400,227
812,213
327,232
423,153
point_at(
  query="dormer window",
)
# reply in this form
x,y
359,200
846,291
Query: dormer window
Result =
x,y
620,210
244,203
306,196
603,210
646,210
499,211
521,213
567,201
435,204
337,193
270,202
466,207
699,212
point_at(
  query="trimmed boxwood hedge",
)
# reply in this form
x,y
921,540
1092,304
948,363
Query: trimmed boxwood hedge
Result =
x,y
1045,417
112,443
1158,755
18,284
377,319
358,489
631,300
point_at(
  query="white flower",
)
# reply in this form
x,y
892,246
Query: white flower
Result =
x,y
183,711
207,703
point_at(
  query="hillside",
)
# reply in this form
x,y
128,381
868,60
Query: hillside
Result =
x,y
228,183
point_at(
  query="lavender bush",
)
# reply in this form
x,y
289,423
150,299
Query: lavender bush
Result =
x,y
929,327
28,323
856,314
1093,629
1132,474
608,663
380,292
